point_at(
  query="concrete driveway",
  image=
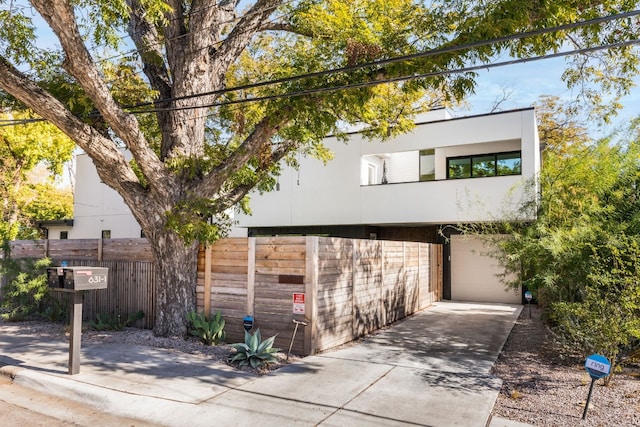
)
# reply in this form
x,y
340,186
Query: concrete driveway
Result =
x,y
432,369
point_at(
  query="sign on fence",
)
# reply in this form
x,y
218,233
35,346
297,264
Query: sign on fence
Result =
x,y
298,303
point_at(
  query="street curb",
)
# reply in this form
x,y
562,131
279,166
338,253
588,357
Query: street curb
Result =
x,y
10,371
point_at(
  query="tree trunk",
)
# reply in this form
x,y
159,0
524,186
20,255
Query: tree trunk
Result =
x,y
175,282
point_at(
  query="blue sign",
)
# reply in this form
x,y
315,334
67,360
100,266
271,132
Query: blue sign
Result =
x,y
528,296
597,366
247,323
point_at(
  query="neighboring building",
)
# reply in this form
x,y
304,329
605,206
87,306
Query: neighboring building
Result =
x,y
414,187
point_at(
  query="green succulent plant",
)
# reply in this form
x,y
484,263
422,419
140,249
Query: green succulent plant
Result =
x,y
209,331
253,351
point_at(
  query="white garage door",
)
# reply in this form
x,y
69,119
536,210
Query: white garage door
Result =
x,y
473,273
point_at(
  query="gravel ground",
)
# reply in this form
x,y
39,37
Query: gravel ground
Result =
x,y
544,388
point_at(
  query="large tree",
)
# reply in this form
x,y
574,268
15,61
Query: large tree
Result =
x,y
202,127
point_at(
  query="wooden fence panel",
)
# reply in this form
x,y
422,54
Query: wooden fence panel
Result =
x,y
280,268
334,318
130,288
393,283
29,248
368,311
126,250
436,279
76,249
426,298
227,287
412,277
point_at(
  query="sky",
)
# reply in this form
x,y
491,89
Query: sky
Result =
x,y
528,81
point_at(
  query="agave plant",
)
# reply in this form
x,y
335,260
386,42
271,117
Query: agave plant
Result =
x,y
254,352
209,331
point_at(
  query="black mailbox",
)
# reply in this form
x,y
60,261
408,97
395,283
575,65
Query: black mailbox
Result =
x,y
85,278
54,277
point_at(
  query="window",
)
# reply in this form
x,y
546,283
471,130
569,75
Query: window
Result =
x,y
459,168
142,236
427,165
509,164
372,173
106,234
476,166
483,166
64,235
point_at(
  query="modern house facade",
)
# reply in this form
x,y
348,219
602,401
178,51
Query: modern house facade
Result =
x,y
414,187
417,187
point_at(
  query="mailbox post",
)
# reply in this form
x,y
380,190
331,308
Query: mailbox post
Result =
x,y
76,280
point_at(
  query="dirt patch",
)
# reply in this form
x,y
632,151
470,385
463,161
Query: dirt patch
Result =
x,y
545,386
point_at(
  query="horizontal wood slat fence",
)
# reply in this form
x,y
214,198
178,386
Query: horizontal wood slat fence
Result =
x,y
350,287
131,282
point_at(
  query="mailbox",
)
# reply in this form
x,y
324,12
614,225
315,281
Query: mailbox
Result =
x,y
84,278
54,277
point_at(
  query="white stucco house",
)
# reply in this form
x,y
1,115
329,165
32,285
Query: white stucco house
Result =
x,y
416,187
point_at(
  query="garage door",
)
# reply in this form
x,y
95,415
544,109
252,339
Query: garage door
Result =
x,y
473,273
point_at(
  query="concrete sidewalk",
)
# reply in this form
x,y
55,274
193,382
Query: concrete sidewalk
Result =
x,y
432,369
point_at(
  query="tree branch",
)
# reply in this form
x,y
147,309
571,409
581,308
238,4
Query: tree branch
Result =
x,y
235,195
283,26
261,135
60,17
242,33
103,150
147,42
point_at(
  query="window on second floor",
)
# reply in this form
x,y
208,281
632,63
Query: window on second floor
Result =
x,y
106,234
64,235
427,165
483,165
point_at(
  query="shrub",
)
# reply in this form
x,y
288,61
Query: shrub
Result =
x,y
114,322
209,331
27,288
254,352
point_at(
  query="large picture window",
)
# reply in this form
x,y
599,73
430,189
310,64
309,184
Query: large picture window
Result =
x,y
476,166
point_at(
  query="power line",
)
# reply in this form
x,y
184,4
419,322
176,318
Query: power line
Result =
x,y
450,49
420,55
395,79
370,83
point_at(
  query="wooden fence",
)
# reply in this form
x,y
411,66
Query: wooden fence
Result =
x,y
344,288
131,273
349,287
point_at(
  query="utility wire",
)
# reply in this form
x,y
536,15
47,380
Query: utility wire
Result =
x,y
395,79
132,109
369,83
420,55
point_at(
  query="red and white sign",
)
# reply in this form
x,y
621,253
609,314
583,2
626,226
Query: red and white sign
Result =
x,y
298,303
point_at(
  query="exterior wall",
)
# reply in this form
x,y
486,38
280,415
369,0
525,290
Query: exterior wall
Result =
x,y
333,194
475,276
54,231
97,207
